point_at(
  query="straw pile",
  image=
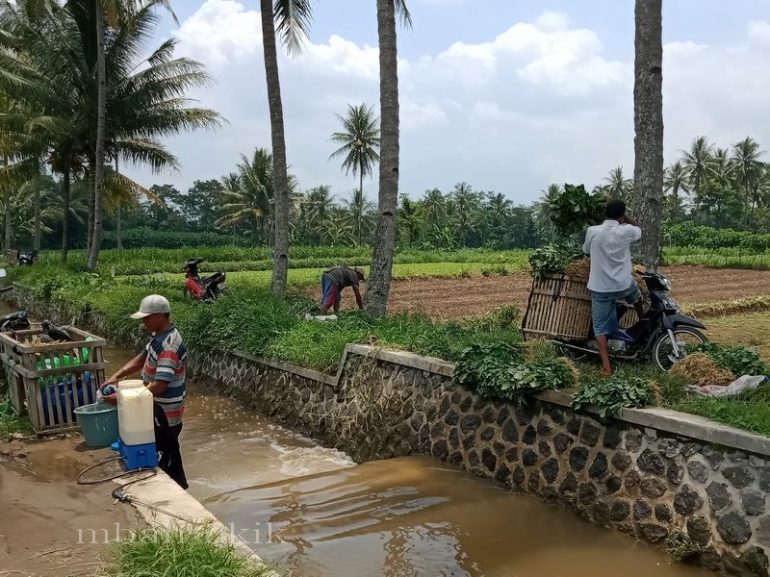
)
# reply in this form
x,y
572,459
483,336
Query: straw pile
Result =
x,y
700,369
581,268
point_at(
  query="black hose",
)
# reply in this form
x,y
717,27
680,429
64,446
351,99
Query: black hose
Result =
x,y
116,476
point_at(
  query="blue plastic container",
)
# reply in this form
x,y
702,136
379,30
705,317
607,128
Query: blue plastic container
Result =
x,y
99,423
61,393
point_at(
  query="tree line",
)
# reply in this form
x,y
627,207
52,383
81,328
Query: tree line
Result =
x,y
77,100
707,185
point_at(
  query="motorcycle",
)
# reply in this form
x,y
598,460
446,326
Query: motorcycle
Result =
x,y
202,288
663,333
26,257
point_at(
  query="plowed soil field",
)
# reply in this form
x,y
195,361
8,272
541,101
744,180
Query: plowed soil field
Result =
x,y
458,297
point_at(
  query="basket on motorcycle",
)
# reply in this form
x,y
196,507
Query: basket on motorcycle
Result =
x,y
48,381
559,307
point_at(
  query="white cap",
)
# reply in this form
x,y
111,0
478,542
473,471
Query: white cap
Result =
x,y
151,305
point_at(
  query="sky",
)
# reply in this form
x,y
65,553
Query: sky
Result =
x,y
506,95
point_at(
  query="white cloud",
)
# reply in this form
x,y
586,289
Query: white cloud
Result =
x,y
221,32
541,102
759,32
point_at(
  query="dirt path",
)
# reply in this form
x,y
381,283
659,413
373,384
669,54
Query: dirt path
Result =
x,y
46,519
456,297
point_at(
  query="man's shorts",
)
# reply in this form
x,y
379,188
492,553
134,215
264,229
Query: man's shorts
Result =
x,y
604,308
330,291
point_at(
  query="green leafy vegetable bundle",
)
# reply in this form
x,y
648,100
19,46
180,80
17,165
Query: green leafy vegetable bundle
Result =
x,y
554,258
575,209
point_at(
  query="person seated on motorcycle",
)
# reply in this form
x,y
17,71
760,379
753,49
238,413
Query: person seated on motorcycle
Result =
x,y
611,279
196,289
332,283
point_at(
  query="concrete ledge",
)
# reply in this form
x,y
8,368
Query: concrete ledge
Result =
x,y
405,358
292,368
684,424
166,504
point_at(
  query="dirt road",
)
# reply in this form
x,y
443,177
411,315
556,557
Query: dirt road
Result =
x,y
49,525
457,297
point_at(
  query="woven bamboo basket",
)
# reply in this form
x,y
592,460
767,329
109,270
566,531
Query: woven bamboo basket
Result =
x,y
559,307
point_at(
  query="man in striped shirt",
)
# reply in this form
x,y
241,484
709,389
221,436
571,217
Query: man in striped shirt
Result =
x,y
162,366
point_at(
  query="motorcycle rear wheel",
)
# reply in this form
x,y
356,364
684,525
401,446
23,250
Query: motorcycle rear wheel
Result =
x,y
663,353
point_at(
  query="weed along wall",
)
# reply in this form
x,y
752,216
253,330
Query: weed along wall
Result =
x,y
675,480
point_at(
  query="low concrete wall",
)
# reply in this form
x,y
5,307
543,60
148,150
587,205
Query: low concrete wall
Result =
x,y
651,473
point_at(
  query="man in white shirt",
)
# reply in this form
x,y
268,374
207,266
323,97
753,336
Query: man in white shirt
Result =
x,y
611,280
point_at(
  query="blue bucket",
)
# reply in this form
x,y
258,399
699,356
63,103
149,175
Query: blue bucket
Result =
x,y
99,423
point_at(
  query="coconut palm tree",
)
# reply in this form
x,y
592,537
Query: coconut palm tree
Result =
x,y
648,127
290,20
378,289
618,186
112,14
675,180
748,172
696,162
465,203
248,194
721,167
358,214
360,142
53,74
543,211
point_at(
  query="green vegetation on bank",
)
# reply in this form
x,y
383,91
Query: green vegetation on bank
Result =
x,y
9,422
487,351
236,258
193,551
251,320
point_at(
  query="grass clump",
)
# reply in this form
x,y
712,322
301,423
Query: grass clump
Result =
x,y
181,552
749,410
681,547
10,422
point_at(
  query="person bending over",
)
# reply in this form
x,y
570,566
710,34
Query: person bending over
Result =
x,y
333,281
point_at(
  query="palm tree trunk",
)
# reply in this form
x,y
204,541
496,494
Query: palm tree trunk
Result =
x,y
360,211
89,179
36,241
119,231
675,198
7,208
648,125
280,178
66,209
120,213
101,119
376,300
8,224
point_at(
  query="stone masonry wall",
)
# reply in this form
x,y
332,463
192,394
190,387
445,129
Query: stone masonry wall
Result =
x,y
639,481
644,482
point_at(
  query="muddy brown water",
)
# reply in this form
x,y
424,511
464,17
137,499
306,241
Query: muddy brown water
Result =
x,y
311,511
